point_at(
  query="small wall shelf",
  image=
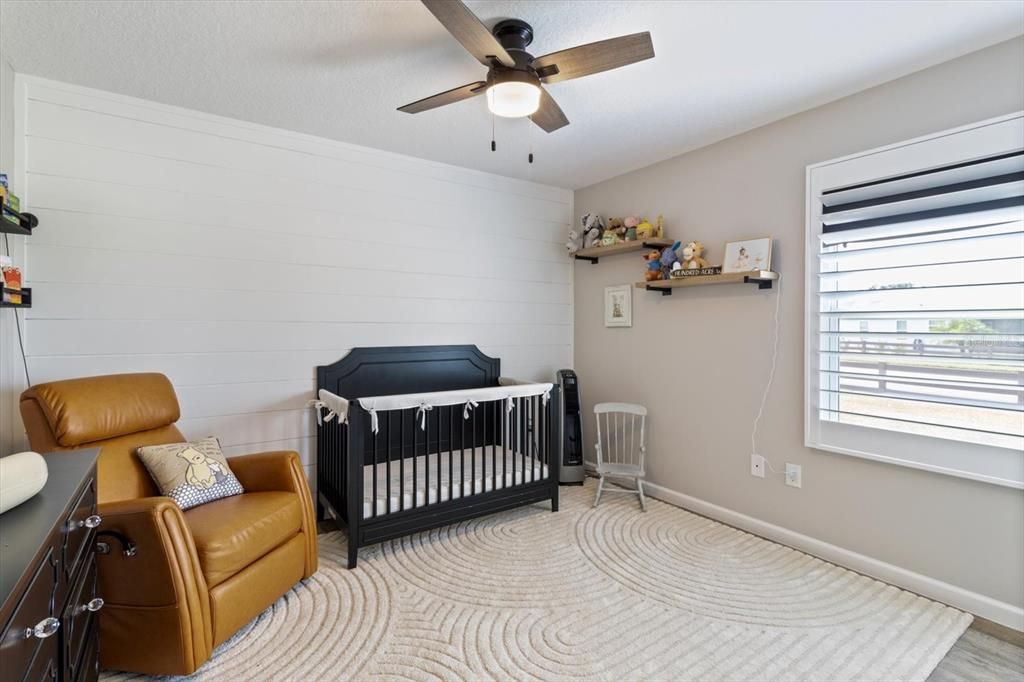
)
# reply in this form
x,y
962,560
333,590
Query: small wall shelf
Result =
x,y
23,226
593,253
762,278
26,298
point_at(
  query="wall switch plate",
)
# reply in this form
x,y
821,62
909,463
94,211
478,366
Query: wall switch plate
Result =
x,y
794,475
757,466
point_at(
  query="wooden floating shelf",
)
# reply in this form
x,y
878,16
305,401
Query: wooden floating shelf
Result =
x,y
595,252
23,226
26,298
762,278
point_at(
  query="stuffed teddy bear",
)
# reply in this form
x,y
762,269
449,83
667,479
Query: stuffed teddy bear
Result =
x,y
575,242
653,259
693,256
593,226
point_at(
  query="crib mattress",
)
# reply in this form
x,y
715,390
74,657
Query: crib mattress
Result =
x,y
480,477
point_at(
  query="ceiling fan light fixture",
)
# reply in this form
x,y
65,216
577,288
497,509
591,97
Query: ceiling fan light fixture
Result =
x,y
513,100
513,94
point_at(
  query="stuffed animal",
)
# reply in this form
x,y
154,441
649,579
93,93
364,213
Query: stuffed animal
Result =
x,y
615,225
575,242
593,226
659,227
644,230
631,234
610,238
653,259
668,258
631,221
693,256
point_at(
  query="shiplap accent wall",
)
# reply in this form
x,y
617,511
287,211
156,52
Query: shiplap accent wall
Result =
x,y
236,258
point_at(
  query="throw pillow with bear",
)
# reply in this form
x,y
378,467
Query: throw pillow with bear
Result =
x,y
191,474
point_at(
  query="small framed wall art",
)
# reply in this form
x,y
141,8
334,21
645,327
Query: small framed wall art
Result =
x,y
747,255
618,306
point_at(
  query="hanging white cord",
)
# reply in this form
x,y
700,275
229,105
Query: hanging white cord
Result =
x,y
771,377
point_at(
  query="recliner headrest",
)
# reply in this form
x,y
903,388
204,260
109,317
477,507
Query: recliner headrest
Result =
x,y
90,409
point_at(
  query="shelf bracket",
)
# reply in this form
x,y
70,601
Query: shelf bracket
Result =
x,y
665,291
592,259
22,224
761,283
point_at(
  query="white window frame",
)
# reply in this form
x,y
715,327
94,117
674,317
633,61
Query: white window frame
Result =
x,y
987,463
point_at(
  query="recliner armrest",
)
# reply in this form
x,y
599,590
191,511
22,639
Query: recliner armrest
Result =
x,y
281,471
164,571
270,471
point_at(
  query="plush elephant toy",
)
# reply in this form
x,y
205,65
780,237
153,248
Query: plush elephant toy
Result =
x,y
593,226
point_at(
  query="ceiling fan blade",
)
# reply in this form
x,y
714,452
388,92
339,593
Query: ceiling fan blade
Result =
x,y
549,115
470,31
447,97
603,55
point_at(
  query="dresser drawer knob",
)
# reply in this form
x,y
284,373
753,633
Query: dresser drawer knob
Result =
x,y
47,627
90,522
93,606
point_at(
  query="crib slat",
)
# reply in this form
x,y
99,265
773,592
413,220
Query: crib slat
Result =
x,y
549,452
472,459
401,461
426,460
504,451
440,478
494,446
451,448
373,504
542,445
387,447
416,479
527,469
462,458
437,457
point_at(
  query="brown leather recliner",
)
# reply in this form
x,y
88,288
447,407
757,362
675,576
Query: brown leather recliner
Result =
x,y
198,575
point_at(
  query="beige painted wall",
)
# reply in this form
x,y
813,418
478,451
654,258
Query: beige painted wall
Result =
x,y
699,359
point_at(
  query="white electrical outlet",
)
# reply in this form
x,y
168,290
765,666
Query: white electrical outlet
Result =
x,y
757,466
794,475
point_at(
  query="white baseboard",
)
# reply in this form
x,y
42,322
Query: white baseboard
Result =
x,y
978,604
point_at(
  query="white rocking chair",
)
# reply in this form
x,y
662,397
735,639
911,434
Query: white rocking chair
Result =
x,y
620,447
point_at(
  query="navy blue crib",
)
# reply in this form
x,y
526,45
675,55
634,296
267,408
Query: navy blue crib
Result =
x,y
392,472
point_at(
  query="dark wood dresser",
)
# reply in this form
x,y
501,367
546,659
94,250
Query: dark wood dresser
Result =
x,y
48,577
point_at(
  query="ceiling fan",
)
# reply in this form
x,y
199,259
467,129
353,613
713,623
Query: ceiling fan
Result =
x,y
515,78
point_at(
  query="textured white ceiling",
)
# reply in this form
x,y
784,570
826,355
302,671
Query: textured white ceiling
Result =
x,y
338,69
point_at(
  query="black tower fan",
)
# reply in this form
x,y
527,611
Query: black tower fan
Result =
x,y
570,462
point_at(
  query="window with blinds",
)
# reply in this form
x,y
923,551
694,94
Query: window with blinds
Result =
x,y
921,287
916,305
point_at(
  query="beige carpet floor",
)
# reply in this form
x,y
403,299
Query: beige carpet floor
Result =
x,y
611,593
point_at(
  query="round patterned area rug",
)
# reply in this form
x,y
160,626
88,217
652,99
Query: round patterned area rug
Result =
x,y
611,593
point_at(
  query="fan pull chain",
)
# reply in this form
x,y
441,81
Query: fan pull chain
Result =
x,y
529,134
494,146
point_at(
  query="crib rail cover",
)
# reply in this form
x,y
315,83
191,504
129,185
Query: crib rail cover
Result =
x,y
337,406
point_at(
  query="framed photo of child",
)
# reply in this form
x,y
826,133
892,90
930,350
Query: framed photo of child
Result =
x,y
747,255
618,306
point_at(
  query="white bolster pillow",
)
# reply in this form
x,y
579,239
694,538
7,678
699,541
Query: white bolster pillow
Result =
x,y
22,475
